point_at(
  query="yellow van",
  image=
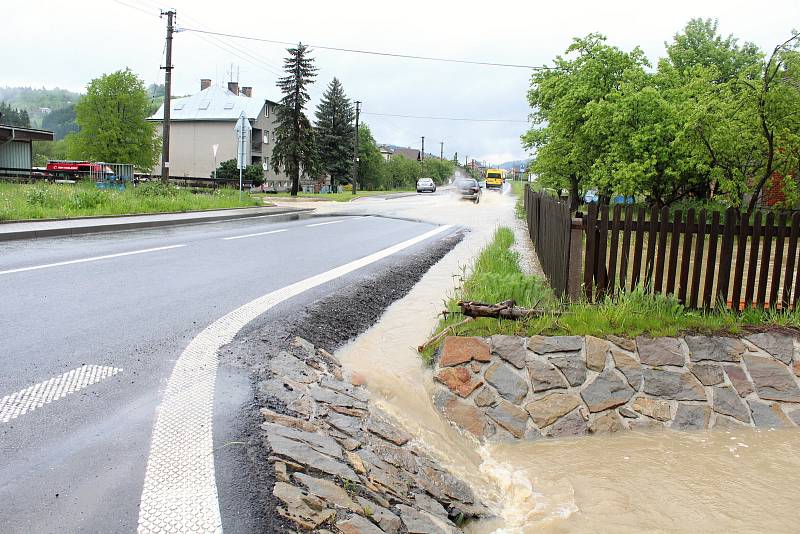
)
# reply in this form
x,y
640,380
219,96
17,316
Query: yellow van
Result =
x,y
494,178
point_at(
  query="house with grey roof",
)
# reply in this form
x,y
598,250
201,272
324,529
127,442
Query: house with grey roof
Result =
x,y
207,118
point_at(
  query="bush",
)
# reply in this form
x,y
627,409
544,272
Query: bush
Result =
x,y
86,199
39,196
156,189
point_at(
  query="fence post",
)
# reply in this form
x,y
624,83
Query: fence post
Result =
x,y
574,271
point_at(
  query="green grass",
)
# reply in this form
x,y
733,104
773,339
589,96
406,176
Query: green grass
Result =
x,y
496,276
56,201
345,196
518,188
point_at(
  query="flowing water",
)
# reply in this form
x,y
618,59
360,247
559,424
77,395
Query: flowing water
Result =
x,y
735,481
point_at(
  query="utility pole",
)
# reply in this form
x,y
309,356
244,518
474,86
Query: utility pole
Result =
x,y
422,156
441,149
167,97
355,150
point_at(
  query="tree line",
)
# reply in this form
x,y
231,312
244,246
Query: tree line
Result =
x,y
328,146
713,120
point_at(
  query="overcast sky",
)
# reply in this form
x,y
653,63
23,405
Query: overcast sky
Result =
x,y
66,44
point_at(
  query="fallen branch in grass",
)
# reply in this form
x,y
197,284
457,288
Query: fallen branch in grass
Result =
x,y
501,310
443,333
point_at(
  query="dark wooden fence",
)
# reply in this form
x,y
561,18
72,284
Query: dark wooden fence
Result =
x,y
549,225
704,259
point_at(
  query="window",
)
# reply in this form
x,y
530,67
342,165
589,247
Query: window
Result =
x,y
228,105
266,109
266,164
204,104
266,136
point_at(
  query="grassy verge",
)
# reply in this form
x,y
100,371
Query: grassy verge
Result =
x,y
518,188
345,196
497,277
56,201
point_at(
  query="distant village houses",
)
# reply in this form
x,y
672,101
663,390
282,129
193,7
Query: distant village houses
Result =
x,y
207,118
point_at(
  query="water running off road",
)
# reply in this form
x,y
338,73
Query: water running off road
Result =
x,y
736,481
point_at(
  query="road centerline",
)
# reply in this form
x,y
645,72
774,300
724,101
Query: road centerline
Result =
x,y
85,260
324,223
255,234
180,491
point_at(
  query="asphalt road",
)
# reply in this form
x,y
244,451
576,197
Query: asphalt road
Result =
x,y
73,457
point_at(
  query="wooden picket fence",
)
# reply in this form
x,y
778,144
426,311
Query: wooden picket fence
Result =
x,y
549,224
705,260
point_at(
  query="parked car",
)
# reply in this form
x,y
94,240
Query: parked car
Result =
x,y
426,184
469,188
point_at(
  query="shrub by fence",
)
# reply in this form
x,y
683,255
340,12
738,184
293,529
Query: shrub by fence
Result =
x,y
704,259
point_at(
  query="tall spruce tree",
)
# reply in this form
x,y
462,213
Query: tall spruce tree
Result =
x,y
335,130
294,137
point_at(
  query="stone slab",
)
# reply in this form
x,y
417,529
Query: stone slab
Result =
x,y
708,373
572,366
508,382
726,401
546,344
510,417
571,424
510,348
768,414
457,350
739,379
544,376
629,367
781,346
678,385
596,352
661,351
606,391
772,379
691,416
546,410
715,348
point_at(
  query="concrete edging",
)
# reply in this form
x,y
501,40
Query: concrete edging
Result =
x,y
98,228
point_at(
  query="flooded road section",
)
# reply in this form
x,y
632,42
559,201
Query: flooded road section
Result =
x,y
722,481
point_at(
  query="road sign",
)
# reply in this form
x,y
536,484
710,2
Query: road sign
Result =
x,y
243,131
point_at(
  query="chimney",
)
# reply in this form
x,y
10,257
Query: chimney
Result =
x,y
247,91
205,83
233,87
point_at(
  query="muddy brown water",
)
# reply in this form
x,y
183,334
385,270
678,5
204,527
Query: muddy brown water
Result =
x,y
678,482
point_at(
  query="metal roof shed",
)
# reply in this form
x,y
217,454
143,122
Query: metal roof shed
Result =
x,y
16,148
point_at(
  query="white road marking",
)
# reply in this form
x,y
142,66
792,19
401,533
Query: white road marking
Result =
x,y
180,490
324,223
253,235
37,395
94,258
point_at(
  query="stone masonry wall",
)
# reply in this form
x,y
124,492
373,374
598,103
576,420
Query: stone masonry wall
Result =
x,y
342,465
508,387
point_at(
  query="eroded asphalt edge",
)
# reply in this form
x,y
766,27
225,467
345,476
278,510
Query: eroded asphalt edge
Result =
x,y
337,314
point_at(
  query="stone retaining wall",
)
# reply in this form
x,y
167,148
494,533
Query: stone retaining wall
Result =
x,y
508,387
342,465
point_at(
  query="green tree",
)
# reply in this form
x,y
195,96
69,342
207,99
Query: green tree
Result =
x,y
401,173
371,173
228,170
566,148
112,120
335,130
13,116
294,137
44,151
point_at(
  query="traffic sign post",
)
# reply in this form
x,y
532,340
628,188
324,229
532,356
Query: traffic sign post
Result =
x,y
243,131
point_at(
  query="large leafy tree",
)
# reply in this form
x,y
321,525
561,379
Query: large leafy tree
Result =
x,y
294,148
335,130
371,173
112,120
566,147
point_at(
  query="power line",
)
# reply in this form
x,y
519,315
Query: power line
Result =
x,y
370,52
441,118
137,8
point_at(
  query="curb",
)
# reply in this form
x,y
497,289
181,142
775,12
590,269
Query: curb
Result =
x,y
92,229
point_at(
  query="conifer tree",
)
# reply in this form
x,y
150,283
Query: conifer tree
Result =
x,y
294,137
335,130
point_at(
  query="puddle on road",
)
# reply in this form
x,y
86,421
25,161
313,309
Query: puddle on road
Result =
x,y
738,481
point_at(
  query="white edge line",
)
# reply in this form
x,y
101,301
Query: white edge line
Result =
x,y
93,258
254,235
180,486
